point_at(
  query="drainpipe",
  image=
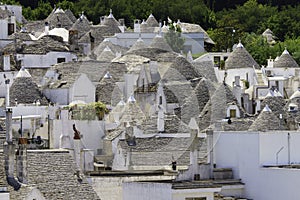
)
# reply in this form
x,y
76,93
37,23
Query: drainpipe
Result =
x,y
211,152
289,148
77,146
9,152
22,160
7,91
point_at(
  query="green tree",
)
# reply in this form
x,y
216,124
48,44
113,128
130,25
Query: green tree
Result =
x,y
65,4
260,50
40,13
258,47
173,37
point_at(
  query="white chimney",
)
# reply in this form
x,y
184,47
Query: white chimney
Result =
x,y
129,84
46,28
270,63
189,57
65,141
6,63
210,150
153,67
7,91
8,125
137,26
194,150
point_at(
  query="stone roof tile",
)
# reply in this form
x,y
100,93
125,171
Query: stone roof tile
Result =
x,y
240,58
285,61
52,173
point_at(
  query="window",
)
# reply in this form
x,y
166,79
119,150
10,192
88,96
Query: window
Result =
x,y
277,84
11,28
217,61
61,60
232,113
196,198
160,100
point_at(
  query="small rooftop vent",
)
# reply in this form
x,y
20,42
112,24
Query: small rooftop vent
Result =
x,y
131,99
107,75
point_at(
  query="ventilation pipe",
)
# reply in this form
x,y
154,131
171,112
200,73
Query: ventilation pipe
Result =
x,y
9,152
22,160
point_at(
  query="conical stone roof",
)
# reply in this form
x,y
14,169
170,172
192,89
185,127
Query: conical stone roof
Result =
x,y
275,103
25,91
181,69
82,25
139,44
206,69
111,22
267,121
151,21
132,114
269,35
216,108
160,43
59,19
107,43
106,56
197,100
285,61
105,89
240,58
70,14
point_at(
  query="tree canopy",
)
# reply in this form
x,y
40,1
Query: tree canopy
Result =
x,y
226,21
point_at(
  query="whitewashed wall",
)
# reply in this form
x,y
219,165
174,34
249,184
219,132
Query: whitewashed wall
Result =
x,y
44,60
163,191
285,72
82,89
272,142
208,193
4,30
246,152
232,73
195,41
111,187
29,123
147,191
92,132
58,96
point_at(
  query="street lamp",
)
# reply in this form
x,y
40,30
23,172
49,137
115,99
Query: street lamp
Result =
x,y
232,30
